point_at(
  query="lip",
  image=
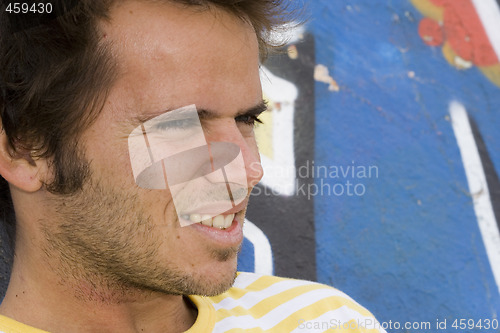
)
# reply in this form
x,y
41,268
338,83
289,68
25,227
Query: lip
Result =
x,y
214,210
230,237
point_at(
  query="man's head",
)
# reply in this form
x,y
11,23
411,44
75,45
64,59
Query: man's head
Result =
x,y
55,76
72,90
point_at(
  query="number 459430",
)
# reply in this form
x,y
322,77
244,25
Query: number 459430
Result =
x,y
486,324
23,7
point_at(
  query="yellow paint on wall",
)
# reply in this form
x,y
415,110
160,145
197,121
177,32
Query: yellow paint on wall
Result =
x,y
449,54
427,8
264,132
492,73
452,57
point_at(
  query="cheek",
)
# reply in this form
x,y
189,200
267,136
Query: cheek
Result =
x,y
106,147
113,164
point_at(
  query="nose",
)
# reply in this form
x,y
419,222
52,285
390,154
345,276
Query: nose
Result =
x,y
253,165
229,132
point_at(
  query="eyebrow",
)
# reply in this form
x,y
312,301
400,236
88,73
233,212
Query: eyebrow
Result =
x,y
255,110
207,114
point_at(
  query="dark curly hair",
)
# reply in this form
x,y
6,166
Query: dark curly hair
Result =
x,y
55,73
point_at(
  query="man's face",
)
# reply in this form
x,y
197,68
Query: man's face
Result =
x,y
168,57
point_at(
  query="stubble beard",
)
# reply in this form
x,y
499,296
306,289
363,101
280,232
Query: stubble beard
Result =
x,y
105,248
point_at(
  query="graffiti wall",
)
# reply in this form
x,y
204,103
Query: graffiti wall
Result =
x,y
381,149
381,153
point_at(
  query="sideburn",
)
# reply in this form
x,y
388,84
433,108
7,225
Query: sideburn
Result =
x,y
71,170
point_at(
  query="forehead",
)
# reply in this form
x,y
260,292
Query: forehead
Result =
x,y
174,54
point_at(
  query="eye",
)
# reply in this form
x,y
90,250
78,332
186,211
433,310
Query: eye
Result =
x,y
178,124
248,119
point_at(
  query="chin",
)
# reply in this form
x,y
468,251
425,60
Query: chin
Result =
x,y
220,272
218,280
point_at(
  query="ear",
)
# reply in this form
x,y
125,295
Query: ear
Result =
x,y
20,170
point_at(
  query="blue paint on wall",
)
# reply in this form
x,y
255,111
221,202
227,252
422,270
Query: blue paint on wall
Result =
x,y
409,249
246,259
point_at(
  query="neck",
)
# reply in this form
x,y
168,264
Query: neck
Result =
x,y
40,296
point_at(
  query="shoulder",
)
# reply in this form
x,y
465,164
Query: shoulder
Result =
x,y
285,305
8,325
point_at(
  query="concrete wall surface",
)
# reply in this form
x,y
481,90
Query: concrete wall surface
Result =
x,y
381,151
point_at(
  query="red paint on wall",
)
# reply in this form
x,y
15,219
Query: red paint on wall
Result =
x,y
462,29
431,32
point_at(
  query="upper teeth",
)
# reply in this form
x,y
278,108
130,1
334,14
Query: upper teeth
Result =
x,y
219,221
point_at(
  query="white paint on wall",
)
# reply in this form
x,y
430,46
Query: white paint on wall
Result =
x,y
263,253
279,171
478,186
489,13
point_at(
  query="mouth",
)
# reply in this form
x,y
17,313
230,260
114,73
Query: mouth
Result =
x,y
221,222
224,230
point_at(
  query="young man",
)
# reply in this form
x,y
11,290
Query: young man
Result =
x,y
96,251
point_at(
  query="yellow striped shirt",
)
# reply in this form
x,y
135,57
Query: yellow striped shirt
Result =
x,y
259,303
